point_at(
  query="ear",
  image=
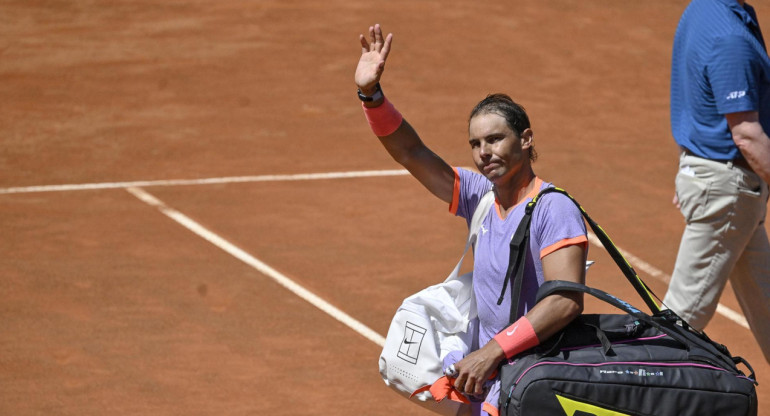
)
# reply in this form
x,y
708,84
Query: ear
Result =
x,y
527,138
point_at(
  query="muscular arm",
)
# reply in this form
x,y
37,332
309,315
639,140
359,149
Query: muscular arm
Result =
x,y
554,312
406,148
752,141
404,145
548,317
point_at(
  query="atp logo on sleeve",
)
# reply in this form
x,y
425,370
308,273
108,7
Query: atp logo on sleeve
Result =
x,y
735,95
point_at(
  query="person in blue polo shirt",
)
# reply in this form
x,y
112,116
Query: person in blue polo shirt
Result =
x,y
720,113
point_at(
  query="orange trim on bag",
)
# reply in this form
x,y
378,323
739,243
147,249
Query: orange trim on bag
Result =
x,y
492,410
455,193
441,389
582,239
420,390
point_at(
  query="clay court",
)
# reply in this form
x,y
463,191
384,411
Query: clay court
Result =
x,y
197,220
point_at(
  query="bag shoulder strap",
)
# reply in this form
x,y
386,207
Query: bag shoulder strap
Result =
x,y
519,247
515,272
664,321
628,271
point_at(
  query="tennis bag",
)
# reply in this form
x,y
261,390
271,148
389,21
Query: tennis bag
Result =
x,y
427,325
632,364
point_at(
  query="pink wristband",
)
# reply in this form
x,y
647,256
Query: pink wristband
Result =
x,y
517,338
383,119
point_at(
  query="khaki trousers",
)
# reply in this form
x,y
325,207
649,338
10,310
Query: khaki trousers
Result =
x,y
724,207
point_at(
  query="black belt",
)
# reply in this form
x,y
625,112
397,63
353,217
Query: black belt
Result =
x,y
740,162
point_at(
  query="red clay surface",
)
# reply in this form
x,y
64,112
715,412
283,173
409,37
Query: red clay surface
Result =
x,y
109,307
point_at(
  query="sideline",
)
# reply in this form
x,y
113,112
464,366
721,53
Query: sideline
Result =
x,y
263,268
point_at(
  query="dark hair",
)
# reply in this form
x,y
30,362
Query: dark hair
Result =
x,y
513,113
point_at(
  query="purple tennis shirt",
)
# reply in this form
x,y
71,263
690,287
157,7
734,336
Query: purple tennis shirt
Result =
x,y
556,223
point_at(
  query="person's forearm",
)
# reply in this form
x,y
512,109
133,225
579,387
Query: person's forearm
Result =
x,y
405,147
756,151
403,144
553,313
399,138
752,141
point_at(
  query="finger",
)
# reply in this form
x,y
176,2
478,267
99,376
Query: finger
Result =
x,y
386,47
364,44
469,387
371,38
377,34
479,390
460,382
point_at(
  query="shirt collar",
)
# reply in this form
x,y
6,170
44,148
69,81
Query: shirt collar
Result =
x,y
742,12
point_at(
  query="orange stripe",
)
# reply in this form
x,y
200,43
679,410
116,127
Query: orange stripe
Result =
x,y
582,239
497,209
455,194
533,193
536,189
492,410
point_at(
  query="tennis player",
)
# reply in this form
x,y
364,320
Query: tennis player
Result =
x,y
502,147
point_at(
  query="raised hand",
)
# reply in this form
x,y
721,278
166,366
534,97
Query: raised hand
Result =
x,y
374,52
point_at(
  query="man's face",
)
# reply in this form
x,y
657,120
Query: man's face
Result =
x,y
497,151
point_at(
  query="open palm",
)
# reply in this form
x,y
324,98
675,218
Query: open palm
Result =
x,y
374,52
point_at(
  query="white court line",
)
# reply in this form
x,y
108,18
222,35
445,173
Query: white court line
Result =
x,y
642,265
205,181
245,257
639,263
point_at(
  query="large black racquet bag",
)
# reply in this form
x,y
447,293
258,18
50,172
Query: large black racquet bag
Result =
x,y
620,364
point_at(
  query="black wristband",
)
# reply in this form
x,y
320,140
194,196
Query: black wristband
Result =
x,y
374,97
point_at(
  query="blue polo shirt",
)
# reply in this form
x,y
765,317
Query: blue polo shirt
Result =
x,y
719,66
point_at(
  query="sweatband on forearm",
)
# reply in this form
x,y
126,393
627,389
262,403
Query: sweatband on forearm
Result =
x,y
383,119
517,338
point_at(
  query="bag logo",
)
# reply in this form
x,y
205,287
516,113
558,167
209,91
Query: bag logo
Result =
x,y
576,408
409,350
